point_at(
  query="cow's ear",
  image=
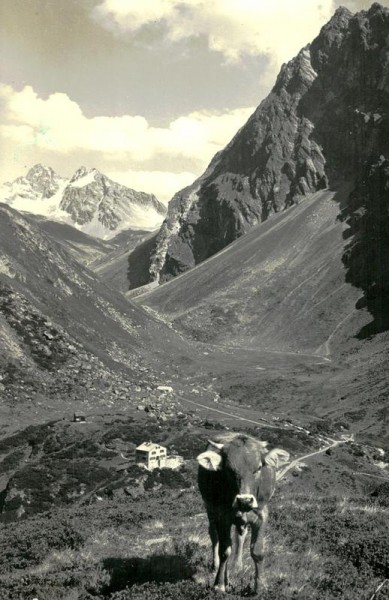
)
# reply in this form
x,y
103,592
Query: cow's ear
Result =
x,y
276,458
210,460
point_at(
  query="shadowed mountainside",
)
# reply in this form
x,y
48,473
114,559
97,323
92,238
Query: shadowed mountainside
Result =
x,y
112,268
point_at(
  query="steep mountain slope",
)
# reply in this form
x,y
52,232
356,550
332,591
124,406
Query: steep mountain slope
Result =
x,y
83,247
325,122
66,339
89,201
280,287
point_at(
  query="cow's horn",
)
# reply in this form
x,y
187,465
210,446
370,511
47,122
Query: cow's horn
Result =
x,y
215,444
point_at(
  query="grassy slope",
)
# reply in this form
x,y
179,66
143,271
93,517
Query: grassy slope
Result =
x,y
318,548
104,532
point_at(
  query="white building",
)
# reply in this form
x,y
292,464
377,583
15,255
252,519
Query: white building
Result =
x,y
151,455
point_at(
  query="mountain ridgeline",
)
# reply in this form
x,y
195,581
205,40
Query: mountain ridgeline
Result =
x,y
88,201
324,124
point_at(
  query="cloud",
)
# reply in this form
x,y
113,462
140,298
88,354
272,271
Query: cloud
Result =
x,y
162,183
277,28
125,144
59,124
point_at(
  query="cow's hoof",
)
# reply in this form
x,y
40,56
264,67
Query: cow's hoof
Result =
x,y
255,593
220,589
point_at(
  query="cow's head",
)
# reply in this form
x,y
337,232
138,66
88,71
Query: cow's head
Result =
x,y
248,467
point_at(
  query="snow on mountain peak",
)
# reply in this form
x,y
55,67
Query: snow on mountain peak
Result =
x,y
83,177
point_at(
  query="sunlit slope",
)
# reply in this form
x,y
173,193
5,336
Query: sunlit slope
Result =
x,y
282,286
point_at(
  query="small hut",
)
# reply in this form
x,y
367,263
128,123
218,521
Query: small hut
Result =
x,y
77,418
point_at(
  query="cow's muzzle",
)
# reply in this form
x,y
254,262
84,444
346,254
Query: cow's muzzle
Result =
x,y
245,502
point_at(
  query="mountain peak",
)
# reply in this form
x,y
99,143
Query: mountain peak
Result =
x,y
84,172
336,26
39,170
44,180
89,201
376,7
341,11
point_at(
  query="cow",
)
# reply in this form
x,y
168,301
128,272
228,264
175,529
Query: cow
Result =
x,y
236,478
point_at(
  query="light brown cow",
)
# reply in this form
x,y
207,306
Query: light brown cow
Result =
x,y
236,479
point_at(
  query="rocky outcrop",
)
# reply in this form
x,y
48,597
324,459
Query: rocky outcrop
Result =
x,y
325,122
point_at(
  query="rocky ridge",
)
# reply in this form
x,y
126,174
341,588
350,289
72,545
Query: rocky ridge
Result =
x,y
324,123
89,201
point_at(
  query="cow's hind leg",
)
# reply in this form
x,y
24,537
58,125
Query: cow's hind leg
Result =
x,y
257,546
224,530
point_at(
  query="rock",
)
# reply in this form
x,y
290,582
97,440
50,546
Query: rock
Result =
x,y
165,388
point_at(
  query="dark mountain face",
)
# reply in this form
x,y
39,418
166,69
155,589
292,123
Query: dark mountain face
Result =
x,y
325,123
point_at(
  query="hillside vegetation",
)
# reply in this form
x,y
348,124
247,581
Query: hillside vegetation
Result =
x,y
81,522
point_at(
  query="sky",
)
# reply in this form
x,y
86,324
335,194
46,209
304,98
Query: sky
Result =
x,y
146,91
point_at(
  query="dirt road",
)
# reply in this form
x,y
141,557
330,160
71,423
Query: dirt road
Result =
x,y
295,462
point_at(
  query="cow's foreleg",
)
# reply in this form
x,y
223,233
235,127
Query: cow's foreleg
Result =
x,y
240,536
257,545
224,530
213,534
